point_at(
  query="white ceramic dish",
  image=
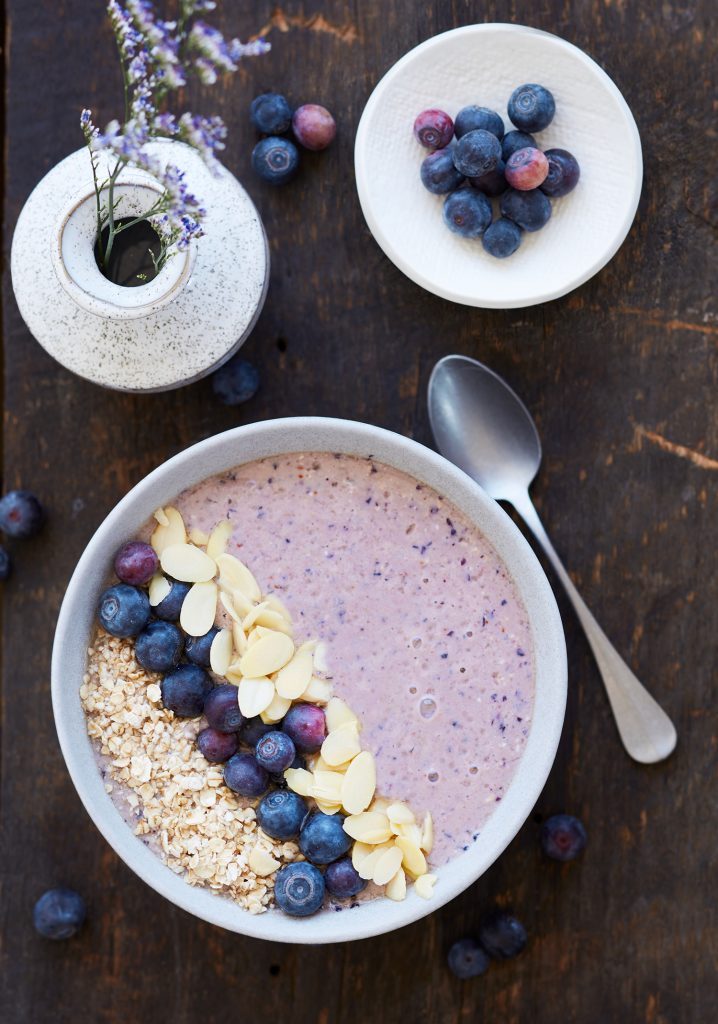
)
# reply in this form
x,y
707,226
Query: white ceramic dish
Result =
x,y
483,64
244,444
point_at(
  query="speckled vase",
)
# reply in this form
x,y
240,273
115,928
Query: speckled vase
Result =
x,y
182,325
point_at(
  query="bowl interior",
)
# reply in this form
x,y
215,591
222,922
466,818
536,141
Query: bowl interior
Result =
x,y
483,64
225,451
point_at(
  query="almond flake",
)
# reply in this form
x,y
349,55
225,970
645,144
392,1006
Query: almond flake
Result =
x,y
159,589
328,787
320,658
267,655
320,765
367,826
228,605
319,691
396,887
413,860
241,602
424,886
161,517
387,866
427,834
255,694
338,713
238,575
327,807
278,606
187,563
217,543
262,863
400,814
359,782
369,863
198,537
240,641
220,652
295,677
412,832
199,609
167,534
342,744
360,852
276,710
299,781
263,615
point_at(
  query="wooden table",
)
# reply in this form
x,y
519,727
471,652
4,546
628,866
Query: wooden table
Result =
x,y
621,376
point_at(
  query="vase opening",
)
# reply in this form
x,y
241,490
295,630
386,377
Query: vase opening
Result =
x,y
134,255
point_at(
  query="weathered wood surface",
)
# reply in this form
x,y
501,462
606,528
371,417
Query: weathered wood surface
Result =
x,y
621,376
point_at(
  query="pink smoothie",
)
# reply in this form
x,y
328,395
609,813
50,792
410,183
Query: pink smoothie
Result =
x,y
426,637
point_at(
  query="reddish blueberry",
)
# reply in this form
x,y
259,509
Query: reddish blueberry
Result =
x,y
136,563
470,118
59,913
476,153
123,610
433,129
563,173
323,839
313,126
158,647
438,173
343,880
502,238
516,140
306,726
221,709
299,889
530,210
526,169
275,751
217,746
493,183
281,814
275,159
21,514
244,776
531,107
563,837
502,935
467,212
467,959
185,690
270,113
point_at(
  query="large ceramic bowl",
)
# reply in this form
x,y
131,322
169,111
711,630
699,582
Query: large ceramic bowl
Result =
x,y
244,444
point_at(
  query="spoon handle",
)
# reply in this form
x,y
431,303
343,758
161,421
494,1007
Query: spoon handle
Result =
x,y
645,729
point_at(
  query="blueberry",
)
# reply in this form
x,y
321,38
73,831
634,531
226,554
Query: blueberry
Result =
x,y
299,889
476,153
185,690
21,514
275,159
531,108
253,730
197,648
515,140
281,814
270,113
275,751
170,607
59,913
221,709
243,775
470,118
493,183
342,879
306,725
563,173
5,564
467,959
526,169
235,382
438,173
136,563
123,610
323,838
501,935
530,210
217,746
502,239
467,212
313,126
433,129
159,646
563,837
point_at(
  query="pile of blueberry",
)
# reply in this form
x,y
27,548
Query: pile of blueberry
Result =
x,y
275,158
474,162
21,517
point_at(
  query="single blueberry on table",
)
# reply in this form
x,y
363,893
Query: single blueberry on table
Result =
x,y
493,183
244,776
221,709
516,140
467,959
59,913
563,837
526,169
5,564
275,751
185,690
236,382
216,746
467,212
170,606
470,118
123,610
434,129
197,648
299,889
136,563
502,935
159,646
438,174
281,814
323,838
530,210
275,160
313,126
531,107
306,725
21,514
476,153
343,880
563,173
253,730
502,239
270,113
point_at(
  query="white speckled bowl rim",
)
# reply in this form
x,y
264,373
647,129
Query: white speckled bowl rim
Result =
x,y
222,452
587,227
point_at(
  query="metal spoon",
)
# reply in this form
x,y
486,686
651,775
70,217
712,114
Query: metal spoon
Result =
x,y
482,426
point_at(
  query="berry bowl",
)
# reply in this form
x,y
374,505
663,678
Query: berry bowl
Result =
x,y
272,440
484,64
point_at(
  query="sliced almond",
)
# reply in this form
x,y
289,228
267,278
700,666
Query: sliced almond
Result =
x,y
387,866
278,606
159,589
321,662
360,852
424,886
170,532
253,636
381,804
276,710
255,694
338,713
161,517
228,605
328,786
319,691
413,859
359,783
399,814
220,652
328,808
295,677
261,614
217,542
320,765
199,609
187,563
270,653
427,834
262,863
412,832
342,744
233,676
368,827
238,575
369,863
198,537
240,641
396,887
299,781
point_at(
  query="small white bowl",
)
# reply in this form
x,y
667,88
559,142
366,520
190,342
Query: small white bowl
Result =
x,y
483,64
216,454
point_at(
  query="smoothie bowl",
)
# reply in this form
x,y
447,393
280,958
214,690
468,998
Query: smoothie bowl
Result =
x,y
327,688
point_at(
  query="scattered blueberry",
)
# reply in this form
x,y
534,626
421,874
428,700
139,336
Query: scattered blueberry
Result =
x,y
433,129
253,730
159,646
5,564
306,725
530,210
467,959
502,239
197,648
476,153
438,173
343,880
123,610
515,140
275,751
221,709
531,108
493,183
21,514
563,837
501,935
470,118
217,746
467,212
270,113
243,775
236,382
563,173
281,814
136,563
526,169
185,690
170,607
323,838
59,913
313,126
299,889
275,159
